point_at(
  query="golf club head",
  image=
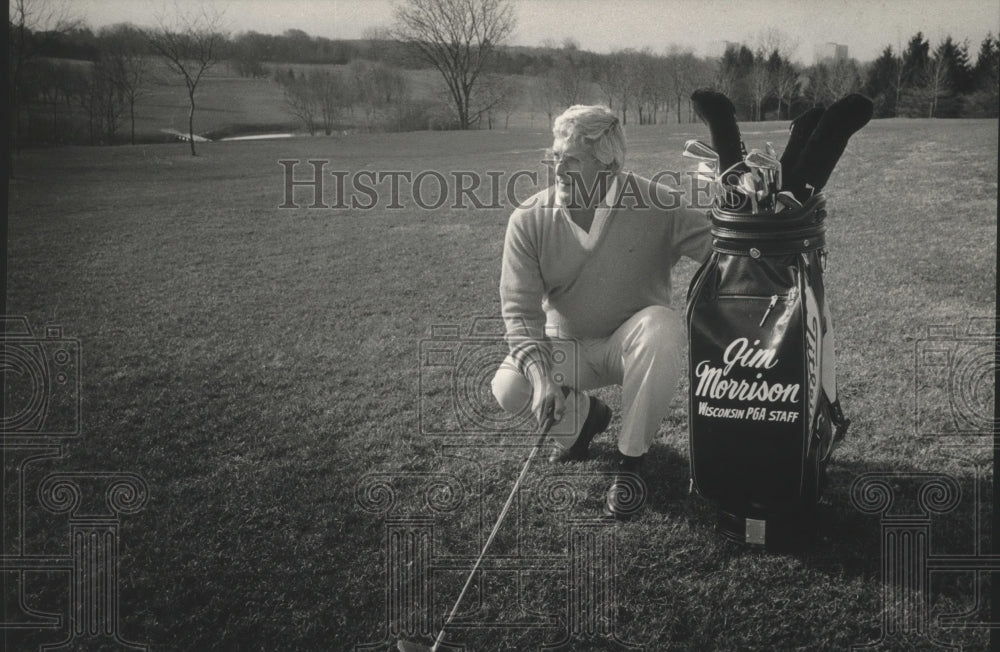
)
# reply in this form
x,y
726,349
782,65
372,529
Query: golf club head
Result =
x,y
759,159
769,166
785,200
826,144
749,188
699,150
801,128
718,112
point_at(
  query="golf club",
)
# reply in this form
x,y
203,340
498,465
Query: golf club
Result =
x,y
718,113
826,144
769,168
730,181
409,646
698,150
749,188
785,200
800,130
709,158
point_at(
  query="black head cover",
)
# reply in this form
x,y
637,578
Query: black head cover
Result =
x,y
801,128
718,112
826,144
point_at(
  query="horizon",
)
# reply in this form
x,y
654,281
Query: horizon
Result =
x,y
703,27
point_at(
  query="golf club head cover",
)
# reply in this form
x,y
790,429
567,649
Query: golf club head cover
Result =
x,y
718,112
826,144
801,128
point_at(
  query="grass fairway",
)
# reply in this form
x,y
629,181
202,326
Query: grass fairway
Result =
x,y
256,365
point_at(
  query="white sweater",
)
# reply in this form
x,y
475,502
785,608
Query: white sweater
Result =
x,y
587,284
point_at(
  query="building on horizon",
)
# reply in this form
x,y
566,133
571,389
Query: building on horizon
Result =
x,y
830,52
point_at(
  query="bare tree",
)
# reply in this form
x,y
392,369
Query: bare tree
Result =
x,y
51,83
758,83
542,98
108,96
937,80
126,66
300,99
376,87
608,80
620,79
726,72
784,82
776,49
246,52
190,47
458,37
510,100
23,18
815,84
772,39
843,79
679,67
648,89
333,95
566,82
494,88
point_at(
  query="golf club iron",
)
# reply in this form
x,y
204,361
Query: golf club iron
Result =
x,y
707,158
769,169
409,646
698,150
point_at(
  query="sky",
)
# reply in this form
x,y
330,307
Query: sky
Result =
x,y
865,26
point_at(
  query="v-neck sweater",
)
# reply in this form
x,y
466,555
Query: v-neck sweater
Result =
x,y
585,284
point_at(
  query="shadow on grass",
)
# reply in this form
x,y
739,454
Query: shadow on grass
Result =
x,y
672,556
951,509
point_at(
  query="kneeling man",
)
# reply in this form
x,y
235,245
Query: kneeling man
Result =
x,y
589,260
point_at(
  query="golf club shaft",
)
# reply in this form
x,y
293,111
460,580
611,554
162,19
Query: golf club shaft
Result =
x,y
543,433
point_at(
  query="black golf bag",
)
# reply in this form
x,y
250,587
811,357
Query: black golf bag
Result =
x,y
763,410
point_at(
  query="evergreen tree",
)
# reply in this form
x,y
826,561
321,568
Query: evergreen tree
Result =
x,y
916,58
961,71
986,73
884,82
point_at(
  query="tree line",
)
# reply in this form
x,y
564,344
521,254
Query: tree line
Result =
x,y
50,97
938,83
71,84
919,82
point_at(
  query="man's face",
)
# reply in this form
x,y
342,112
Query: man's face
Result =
x,y
581,180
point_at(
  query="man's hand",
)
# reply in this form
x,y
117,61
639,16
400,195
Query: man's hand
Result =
x,y
547,401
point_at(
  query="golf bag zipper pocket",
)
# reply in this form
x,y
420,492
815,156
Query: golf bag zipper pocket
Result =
x,y
772,303
770,307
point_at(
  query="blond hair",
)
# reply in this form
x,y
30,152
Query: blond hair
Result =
x,y
596,129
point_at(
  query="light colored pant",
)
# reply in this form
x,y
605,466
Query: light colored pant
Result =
x,y
645,356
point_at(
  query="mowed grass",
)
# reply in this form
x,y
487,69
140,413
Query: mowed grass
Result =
x,y
222,100
256,365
